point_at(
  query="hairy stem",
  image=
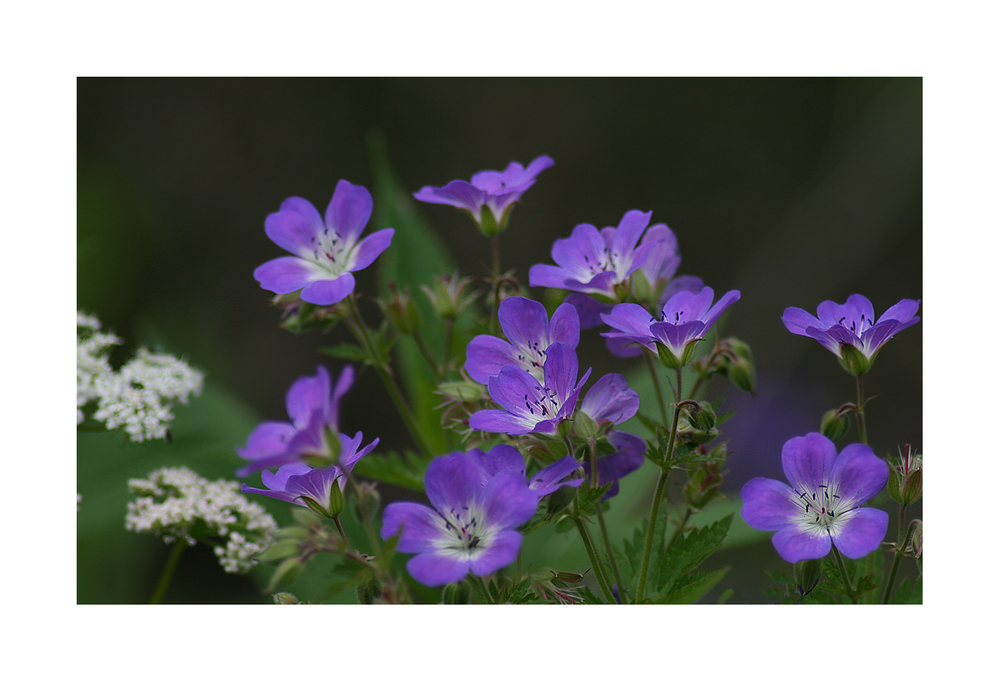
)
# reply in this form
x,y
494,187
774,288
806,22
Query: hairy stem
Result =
x,y
843,574
594,560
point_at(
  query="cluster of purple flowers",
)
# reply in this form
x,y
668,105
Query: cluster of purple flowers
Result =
x,y
478,499
310,451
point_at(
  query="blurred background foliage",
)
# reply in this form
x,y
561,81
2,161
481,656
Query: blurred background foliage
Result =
x,y
793,191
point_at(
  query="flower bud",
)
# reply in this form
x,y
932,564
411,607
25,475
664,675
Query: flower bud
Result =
x,y
704,481
448,295
285,598
906,477
742,373
559,500
807,575
401,310
834,425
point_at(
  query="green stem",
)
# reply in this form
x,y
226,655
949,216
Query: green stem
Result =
x,y
860,412
656,385
843,574
449,335
438,371
899,557
594,561
680,529
361,333
658,495
168,571
611,553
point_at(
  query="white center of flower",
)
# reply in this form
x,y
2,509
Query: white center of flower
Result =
x,y
532,359
607,261
331,252
856,326
465,536
821,507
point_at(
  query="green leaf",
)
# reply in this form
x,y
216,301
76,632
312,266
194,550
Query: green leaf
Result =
x,y
347,351
690,549
909,593
692,586
415,256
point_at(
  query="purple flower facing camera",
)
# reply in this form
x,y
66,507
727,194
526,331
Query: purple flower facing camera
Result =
x,y
823,506
326,249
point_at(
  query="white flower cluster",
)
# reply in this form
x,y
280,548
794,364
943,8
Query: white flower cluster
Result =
x,y
180,506
137,397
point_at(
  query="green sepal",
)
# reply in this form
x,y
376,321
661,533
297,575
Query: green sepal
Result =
x,y
853,360
807,575
488,222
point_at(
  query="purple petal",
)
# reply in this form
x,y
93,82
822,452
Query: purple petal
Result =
x,y
630,318
682,283
797,321
507,501
453,481
501,552
729,298
588,311
610,399
370,248
349,210
677,336
486,355
524,322
686,306
344,383
500,458
798,544
349,456
768,504
268,439
664,257
561,368
550,479
328,291
435,570
630,228
808,461
457,193
421,526
860,474
902,311
512,388
279,479
542,275
501,421
583,250
306,395
291,231
276,494
305,209
860,532
283,275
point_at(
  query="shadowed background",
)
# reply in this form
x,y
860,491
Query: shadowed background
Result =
x,y
793,191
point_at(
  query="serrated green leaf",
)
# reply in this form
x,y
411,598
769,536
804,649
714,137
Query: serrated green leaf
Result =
x,y
690,549
692,586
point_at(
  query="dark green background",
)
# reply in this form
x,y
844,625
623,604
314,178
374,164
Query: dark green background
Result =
x,y
793,191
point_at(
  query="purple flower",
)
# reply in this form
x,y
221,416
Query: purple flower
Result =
x,y
628,457
300,484
326,252
526,324
596,262
686,318
528,405
472,525
850,331
610,400
497,191
313,407
502,458
823,505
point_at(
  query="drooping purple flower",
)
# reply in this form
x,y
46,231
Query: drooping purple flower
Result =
x,y
850,331
685,320
823,505
497,191
530,406
596,262
313,408
610,400
300,484
502,458
472,525
526,325
627,457
326,251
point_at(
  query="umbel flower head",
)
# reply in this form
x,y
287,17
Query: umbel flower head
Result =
x,y
823,505
326,250
850,331
686,318
491,195
472,524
